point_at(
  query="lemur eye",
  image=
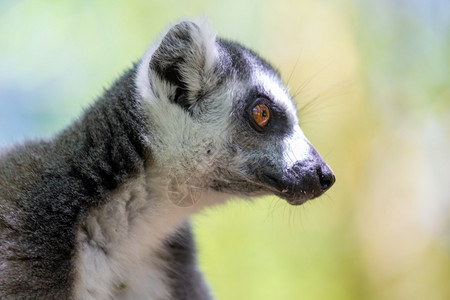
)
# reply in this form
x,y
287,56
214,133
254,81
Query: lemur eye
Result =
x,y
261,114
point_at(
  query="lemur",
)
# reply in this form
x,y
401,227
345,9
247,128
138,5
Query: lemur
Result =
x,y
101,210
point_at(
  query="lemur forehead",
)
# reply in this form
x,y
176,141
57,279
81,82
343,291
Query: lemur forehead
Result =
x,y
273,87
269,81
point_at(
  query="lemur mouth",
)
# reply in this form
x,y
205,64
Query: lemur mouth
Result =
x,y
300,183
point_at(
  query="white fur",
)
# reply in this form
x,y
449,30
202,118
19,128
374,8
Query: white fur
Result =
x,y
271,85
142,79
186,141
207,38
295,148
120,259
205,56
276,89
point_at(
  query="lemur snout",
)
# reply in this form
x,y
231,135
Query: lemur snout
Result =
x,y
307,180
304,180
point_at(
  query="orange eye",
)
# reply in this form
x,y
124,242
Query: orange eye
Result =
x,y
261,114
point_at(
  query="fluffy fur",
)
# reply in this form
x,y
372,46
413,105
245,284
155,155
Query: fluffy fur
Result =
x,y
101,210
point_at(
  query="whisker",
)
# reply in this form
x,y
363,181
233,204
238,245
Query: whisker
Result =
x,y
293,69
310,79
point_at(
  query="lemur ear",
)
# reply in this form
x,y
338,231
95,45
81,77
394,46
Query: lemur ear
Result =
x,y
185,58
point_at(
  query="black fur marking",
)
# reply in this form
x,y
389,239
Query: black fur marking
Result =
x,y
234,63
186,281
279,124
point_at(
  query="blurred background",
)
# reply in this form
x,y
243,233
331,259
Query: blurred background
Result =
x,y
372,80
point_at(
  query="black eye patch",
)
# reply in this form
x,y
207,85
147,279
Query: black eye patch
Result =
x,y
278,123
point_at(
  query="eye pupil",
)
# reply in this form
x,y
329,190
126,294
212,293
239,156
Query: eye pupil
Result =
x,y
261,114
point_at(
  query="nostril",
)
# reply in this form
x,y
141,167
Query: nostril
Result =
x,y
326,178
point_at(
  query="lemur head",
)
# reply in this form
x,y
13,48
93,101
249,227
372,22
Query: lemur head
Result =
x,y
221,117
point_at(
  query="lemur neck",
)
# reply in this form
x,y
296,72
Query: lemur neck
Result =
x,y
108,142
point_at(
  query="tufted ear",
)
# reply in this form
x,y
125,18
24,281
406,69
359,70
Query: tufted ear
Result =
x,y
186,58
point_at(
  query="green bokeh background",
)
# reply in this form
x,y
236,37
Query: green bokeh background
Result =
x,y
372,82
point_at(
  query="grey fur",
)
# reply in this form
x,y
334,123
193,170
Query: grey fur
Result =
x,y
48,187
53,191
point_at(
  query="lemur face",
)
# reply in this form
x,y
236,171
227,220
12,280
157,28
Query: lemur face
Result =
x,y
221,115
271,152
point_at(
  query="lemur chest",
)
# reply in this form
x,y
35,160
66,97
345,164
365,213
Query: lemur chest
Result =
x,y
120,246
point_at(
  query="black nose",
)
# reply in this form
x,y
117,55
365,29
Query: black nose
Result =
x,y
305,180
326,177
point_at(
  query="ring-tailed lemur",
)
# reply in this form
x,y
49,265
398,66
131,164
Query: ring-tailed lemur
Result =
x,y
101,210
